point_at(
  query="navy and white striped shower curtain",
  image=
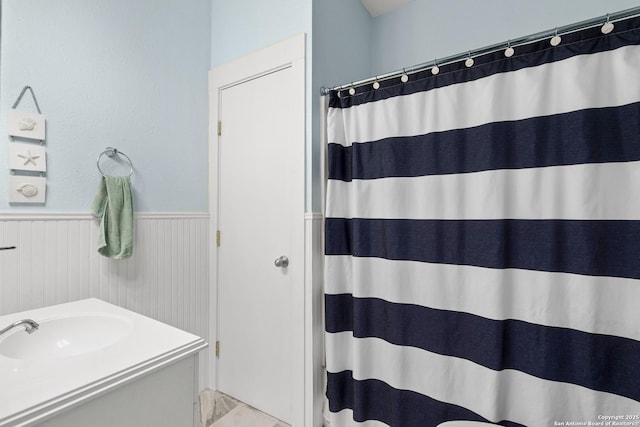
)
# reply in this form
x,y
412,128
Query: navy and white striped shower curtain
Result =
x,y
483,241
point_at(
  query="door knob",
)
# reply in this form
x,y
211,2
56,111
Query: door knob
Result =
x,y
282,262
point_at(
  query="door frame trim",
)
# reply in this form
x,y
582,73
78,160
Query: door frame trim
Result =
x,y
289,53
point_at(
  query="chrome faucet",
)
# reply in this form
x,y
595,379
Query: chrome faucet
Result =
x,y
29,325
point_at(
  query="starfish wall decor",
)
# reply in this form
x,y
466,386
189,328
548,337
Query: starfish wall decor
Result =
x,y
29,158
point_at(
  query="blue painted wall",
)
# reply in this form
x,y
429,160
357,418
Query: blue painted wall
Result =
x,y
133,74
241,26
342,31
122,73
423,30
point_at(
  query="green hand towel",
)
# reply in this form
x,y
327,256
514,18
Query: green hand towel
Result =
x,y
114,205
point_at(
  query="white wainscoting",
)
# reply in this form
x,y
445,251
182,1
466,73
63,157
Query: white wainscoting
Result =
x,y
55,261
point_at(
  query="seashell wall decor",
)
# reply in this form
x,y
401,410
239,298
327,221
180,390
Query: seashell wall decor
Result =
x,y
24,160
27,125
28,155
27,189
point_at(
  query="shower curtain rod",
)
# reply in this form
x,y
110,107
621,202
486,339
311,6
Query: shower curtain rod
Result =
x,y
610,17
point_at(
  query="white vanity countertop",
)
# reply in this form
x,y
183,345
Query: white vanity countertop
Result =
x,y
31,390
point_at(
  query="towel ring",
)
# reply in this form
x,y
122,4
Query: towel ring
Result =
x,y
110,152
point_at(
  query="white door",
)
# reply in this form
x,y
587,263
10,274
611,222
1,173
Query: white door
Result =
x,y
260,217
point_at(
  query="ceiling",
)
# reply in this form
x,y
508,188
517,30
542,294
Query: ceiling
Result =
x,y
378,7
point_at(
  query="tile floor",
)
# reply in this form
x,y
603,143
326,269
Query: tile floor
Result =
x,y
219,410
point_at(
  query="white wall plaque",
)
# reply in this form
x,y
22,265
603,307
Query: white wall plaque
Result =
x,y
28,157
27,189
26,125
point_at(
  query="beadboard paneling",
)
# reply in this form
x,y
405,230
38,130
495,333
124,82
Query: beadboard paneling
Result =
x,y
56,261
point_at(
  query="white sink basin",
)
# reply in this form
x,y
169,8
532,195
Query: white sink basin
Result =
x,y
65,336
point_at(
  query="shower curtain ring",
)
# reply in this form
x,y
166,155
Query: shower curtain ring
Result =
x,y
352,90
405,77
509,51
556,39
469,62
435,69
376,84
607,27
